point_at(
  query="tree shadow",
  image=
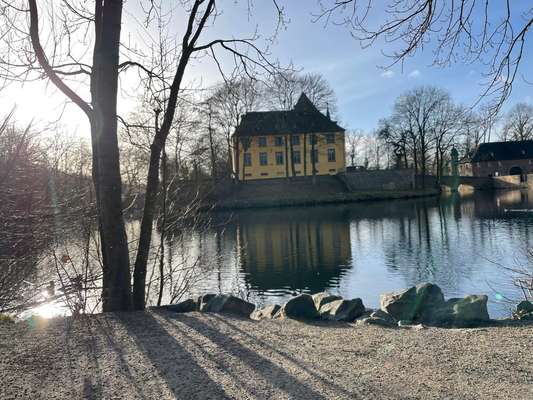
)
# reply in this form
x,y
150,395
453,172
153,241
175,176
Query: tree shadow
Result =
x,y
174,364
274,374
301,364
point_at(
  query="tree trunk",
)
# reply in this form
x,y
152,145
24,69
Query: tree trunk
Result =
x,y
163,228
145,236
237,161
116,294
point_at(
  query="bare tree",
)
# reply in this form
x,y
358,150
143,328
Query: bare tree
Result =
x,y
229,101
464,31
354,140
97,32
283,90
518,123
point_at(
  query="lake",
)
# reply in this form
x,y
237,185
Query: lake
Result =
x,y
466,243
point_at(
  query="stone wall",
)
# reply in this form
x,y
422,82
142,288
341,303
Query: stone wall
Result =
x,y
501,168
393,179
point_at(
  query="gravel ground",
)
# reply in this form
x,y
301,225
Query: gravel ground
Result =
x,y
160,355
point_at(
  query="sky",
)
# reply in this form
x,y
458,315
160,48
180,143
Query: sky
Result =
x,y
365,90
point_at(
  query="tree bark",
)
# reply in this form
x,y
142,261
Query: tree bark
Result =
x,y
116,294
116,281
145,236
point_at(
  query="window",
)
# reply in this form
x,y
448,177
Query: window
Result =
x,y
262,141
330,138
263,159
278,140
264,173
314,156
296,157
295,140
313,139
331,155
247,159
279,158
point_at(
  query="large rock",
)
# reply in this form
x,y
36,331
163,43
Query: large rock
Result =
x,y
268,312
342,310
185,306
468,311
525,307
412,303
524,311
323,298
380,314
203,300
425,304
379,318
299,307
224,303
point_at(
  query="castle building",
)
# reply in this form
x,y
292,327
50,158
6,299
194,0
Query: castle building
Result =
x,y
503,158
283,144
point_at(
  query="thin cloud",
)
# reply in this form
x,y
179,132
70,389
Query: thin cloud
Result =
x,y
414,74
387,74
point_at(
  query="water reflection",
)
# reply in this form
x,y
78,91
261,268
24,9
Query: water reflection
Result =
x,y
459,241
293,249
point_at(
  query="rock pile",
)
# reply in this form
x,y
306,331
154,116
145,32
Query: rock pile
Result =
x,y
415,307
425,304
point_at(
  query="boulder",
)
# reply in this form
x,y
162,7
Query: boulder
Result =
x,y
268,312
524,311
185,306
323,298
224,303
342,310
524,307
380,314
203,300
425,304
412,303
467,312
299,307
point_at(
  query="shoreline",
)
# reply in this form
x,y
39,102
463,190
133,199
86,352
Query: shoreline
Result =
x,y
334,198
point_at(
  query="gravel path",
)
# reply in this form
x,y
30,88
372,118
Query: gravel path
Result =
x,y
159,355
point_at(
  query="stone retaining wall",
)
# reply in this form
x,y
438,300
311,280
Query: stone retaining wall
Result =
x,y
393,179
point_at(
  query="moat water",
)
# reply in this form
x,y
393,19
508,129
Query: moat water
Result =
x,y
466,243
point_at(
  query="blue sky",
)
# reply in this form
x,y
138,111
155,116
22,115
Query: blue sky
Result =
x,y
365,91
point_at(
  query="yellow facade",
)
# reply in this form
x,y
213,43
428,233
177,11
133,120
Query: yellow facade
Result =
x,y
266,162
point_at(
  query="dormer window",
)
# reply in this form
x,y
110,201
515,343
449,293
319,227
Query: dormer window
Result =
x,y
523,152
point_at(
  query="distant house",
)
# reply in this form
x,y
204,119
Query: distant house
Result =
x,y
278,144
503,158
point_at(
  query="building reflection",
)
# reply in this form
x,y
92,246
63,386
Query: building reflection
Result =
x,y
293,250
